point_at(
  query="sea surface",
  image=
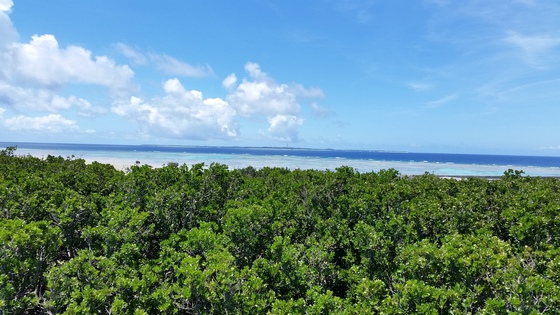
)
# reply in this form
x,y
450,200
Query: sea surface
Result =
x,y
407,163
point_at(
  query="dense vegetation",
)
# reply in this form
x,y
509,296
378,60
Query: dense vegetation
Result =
x,y
79,238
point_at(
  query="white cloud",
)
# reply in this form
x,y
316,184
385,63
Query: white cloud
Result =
x,y
313,92
320,111
44,100
186,114
164,63
85,108
135,56
420,87
181,114
533,47
172,66
254,71
259,94
551,147
229,81
6,5
544,91
42,62
28,98
32,74
440,102
262,95
53,123
8,36
284,127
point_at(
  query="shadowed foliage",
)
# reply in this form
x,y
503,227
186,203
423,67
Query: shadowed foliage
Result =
x,y
79,238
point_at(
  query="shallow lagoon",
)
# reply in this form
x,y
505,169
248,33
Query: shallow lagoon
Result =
x,y
123,159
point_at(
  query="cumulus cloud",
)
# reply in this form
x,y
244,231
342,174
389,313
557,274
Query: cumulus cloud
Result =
x,y
44,63
52,123
164,63
37,77
313,92
284,127
181,114
26,99
259,94
33,74
229,81
8,36
85,108
6,5
186,114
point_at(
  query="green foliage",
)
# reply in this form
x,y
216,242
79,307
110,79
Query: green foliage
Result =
x,y
79,238
9,151
26,251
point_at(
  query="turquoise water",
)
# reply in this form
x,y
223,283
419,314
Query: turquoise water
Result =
x,y
123,159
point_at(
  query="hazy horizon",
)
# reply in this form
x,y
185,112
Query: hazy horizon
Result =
x,y
407,163
4,144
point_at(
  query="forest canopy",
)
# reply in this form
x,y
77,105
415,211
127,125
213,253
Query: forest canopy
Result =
x,y
78,238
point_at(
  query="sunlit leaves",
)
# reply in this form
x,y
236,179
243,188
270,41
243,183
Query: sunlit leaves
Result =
x,y
85,238
26,251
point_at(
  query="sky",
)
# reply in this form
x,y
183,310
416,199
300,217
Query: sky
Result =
x,y
468,76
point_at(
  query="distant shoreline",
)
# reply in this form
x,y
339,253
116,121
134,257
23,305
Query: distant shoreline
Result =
x,y
444,165
101,146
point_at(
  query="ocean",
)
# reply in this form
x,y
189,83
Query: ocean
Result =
x,y
407,163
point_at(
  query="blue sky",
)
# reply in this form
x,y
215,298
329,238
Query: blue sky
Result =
x,y
467,76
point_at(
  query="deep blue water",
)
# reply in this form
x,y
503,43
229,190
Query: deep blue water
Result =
x,y
475,159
